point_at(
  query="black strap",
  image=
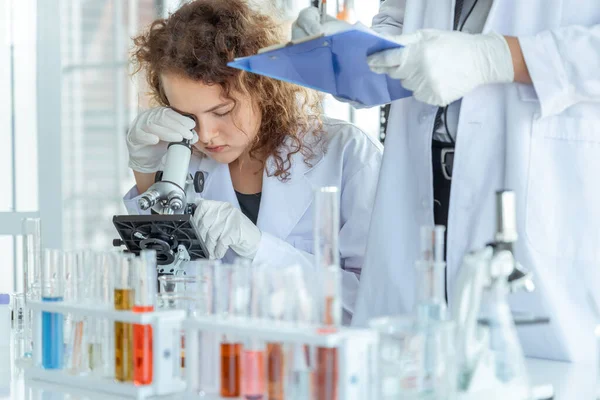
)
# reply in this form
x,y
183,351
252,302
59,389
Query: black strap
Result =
x,y
457,12
438,116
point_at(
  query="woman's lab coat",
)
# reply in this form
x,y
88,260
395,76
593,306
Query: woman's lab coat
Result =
x,y
351,162
540,140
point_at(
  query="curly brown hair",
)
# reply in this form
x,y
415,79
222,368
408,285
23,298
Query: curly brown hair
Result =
x,y
199,39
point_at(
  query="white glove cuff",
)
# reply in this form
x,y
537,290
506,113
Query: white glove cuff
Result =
x,y
145,169
501,69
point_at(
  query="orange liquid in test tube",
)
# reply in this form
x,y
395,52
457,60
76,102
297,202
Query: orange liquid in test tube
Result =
x,y
142,353
346,13
276,360
326,374
231,354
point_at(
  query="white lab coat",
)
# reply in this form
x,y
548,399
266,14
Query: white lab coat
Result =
x,y
540,140
351,162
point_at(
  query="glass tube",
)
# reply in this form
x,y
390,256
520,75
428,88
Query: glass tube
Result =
x,y
145,294
431,301
22,337
32,258
123,301
232,293
52,323
77,267
327,258
432,243
100,331
277,305
207,380
254,352
32,278
303,310
346,11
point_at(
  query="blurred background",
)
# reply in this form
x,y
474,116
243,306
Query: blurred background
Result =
x,y
66,100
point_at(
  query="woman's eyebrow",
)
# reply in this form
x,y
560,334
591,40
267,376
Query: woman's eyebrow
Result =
x,y
217,107
187,114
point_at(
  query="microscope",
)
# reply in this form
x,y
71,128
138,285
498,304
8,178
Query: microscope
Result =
x,y
490,358
169,229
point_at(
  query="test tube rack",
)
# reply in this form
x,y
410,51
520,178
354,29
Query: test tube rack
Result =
x,y
166,331
357,349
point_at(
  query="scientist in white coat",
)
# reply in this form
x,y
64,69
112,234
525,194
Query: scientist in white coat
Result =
x,y
262,144
521,83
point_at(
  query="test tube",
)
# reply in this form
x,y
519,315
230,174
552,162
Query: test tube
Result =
x,y
100,331
299,360
278,287
77,266
346,11
18,310
231,293
431,299
145,293
431,303
32,258
254,353
22,337
52,323
203,378
123,300
327,258
32,278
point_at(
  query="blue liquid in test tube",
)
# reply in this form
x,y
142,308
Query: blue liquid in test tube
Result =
x,y
52,323
52,337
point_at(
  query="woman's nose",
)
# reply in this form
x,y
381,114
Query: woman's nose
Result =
x,y
206,133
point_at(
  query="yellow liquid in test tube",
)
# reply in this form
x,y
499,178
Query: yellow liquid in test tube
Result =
x,y
123,338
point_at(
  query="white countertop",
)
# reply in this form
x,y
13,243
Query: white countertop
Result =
x,y
570,381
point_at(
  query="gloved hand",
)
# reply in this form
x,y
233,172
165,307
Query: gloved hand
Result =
x,y
221,226
309,24
443,66
150,134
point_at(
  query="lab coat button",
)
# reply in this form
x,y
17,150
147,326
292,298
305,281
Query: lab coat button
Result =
x,y
423,116
424,203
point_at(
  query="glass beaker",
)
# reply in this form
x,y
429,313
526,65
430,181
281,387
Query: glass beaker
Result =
x,y
400,356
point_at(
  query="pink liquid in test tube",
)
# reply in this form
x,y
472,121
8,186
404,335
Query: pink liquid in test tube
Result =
x,y
253,375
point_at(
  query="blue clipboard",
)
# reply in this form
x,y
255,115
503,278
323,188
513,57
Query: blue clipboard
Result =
x,y
335,64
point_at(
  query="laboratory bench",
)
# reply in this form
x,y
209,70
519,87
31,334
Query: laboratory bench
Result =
x,y
570,382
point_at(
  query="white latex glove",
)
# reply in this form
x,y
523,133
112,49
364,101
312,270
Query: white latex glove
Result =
x,y
221,226
150,134
443,66
309,24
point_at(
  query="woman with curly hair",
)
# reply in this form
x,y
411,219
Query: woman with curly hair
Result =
x,y
261,143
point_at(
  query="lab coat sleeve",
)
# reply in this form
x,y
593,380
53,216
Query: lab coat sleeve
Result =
x,y
278,252
356,205
563,64
390,18
131,202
